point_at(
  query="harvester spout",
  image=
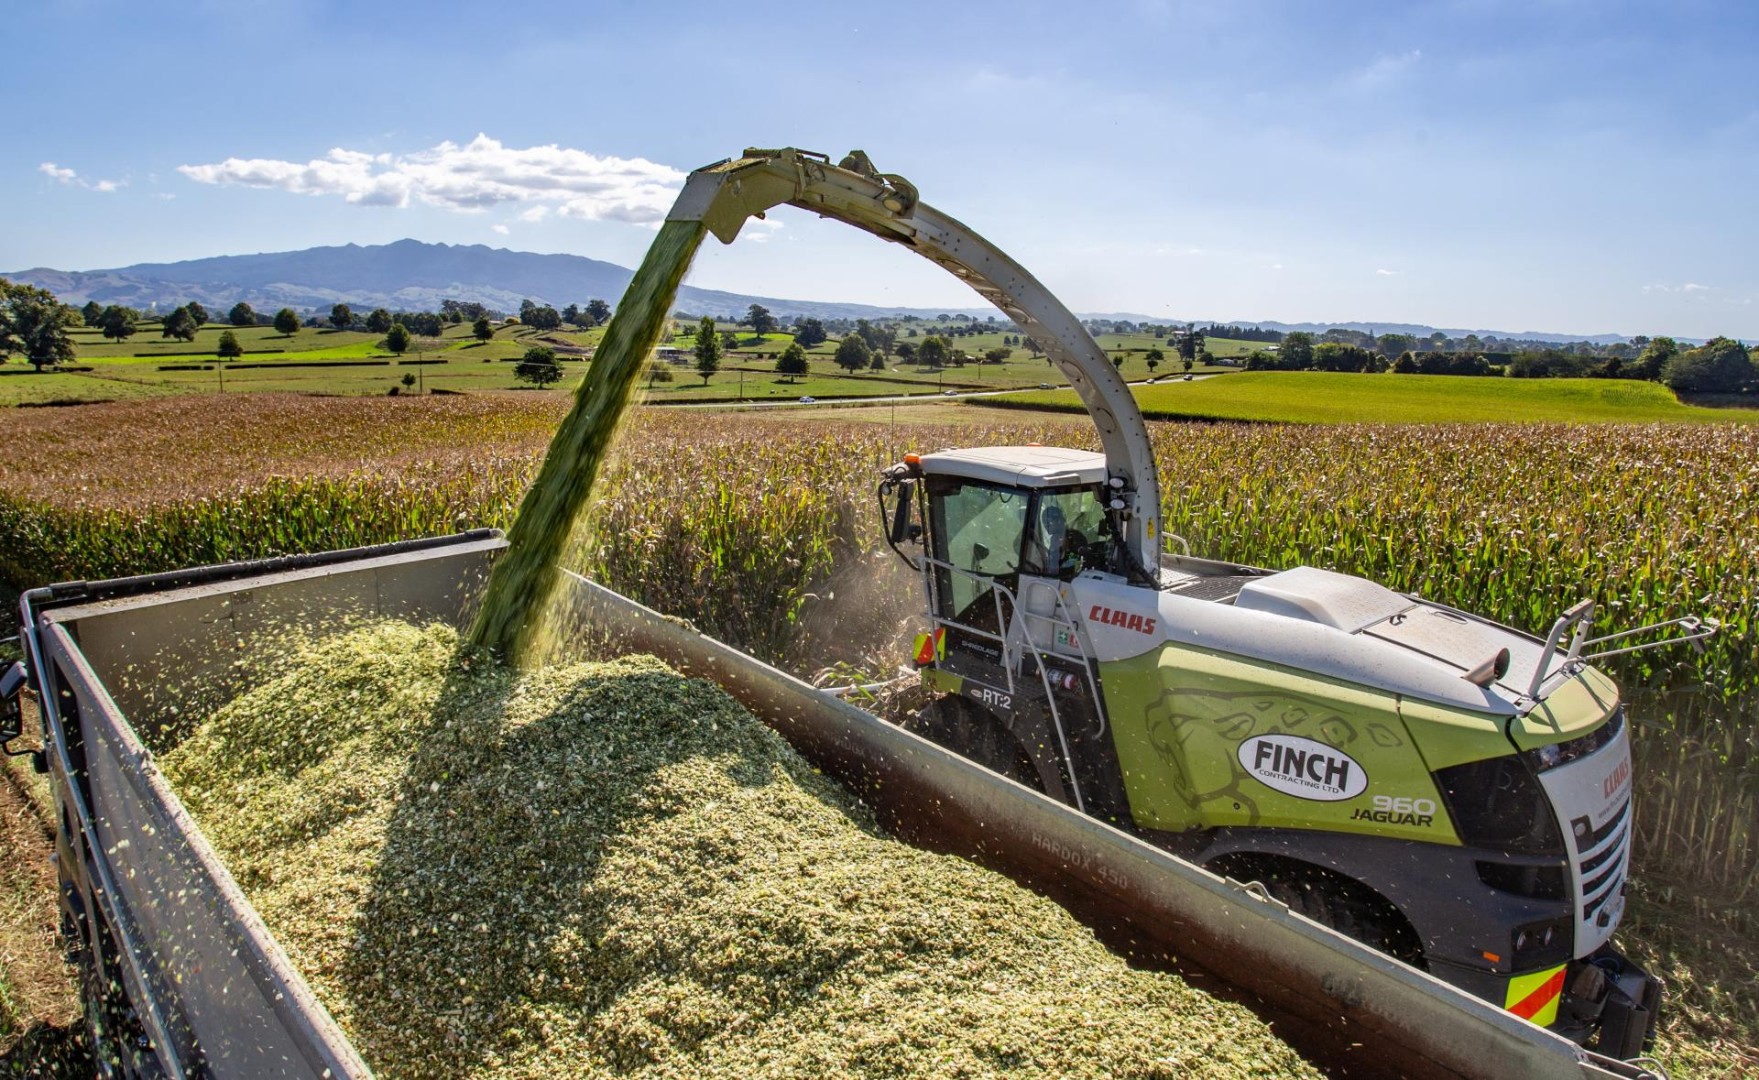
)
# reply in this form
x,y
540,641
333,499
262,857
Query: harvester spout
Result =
x,y
724,195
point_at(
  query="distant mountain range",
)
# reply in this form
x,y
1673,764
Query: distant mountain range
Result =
x,y
411,275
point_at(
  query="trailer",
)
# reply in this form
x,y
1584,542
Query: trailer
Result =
x,y
181,978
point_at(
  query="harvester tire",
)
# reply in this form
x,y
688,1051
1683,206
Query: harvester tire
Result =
x,y
976,734
1332,900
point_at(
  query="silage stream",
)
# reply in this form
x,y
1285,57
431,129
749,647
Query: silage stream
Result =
x,y
516,618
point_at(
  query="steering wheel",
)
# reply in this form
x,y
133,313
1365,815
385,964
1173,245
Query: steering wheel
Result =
x,y
1075,544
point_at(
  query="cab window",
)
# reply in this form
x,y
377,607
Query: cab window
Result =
x,y
1065,525
977,527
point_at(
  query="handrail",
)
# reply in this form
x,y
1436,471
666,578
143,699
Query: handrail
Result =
x,y
1694,631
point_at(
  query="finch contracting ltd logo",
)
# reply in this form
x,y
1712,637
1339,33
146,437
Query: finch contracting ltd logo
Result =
x,y
1303,768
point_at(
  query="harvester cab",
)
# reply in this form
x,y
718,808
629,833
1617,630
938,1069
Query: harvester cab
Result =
x,y
1451,791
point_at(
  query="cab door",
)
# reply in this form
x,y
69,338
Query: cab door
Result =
x,y
977,530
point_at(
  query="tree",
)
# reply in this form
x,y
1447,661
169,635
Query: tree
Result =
x,y
1654,357
998,355
1296,352
34,323
598,311
538,367
540,317
482,329
852,353
457,311
876,361
1719,366
792,360
341,317
729,340
198,313
118,323
242,314
1155,356
762,322
1332,356
1394,344
1033,347
379,321
92,312
1187,361
397,338
572,316
810,332
229,348
934,351
286,322
179,324
906,351
408,379
423,323
708,349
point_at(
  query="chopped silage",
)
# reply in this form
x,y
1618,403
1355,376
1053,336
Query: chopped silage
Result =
x,y
608,870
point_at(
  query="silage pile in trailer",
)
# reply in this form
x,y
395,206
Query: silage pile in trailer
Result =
x,y
607,869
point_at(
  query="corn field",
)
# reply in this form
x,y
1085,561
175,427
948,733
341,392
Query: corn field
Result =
x,y
734,522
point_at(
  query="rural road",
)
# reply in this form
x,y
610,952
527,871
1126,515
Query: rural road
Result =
x,y
920,399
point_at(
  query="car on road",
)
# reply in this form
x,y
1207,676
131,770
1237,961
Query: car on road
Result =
x,y
1187,378
1044,386
948,393
808,399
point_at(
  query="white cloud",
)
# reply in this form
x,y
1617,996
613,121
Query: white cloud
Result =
x,y
502,229
471,178
73,179
1687,287
1276,266
1387,273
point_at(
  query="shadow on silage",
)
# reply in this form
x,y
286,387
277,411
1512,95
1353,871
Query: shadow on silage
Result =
x,y
488,926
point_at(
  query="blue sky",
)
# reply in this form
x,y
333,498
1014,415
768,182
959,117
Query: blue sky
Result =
x,y
1582,167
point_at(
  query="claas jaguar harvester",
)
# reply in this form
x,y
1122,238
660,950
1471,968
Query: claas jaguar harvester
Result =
x,y
1447,790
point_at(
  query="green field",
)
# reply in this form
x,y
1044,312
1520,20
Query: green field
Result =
x,y
458,363
1312,397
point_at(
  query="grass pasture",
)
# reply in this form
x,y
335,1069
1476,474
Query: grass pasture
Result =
x,y
456,362
1314,397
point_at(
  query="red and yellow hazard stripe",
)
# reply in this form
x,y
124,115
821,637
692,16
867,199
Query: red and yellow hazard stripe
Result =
x,y
931,647
1535,997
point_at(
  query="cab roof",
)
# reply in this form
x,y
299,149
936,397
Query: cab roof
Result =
x,y
1020,466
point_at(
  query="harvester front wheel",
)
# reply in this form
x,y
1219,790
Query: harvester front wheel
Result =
x,y
976,734
1332,900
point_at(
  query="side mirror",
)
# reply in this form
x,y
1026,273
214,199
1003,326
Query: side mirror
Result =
x,y
11,717
902,529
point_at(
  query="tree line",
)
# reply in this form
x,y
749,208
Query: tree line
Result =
x,y
36,326
1719,366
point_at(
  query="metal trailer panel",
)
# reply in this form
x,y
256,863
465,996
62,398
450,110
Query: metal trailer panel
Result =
x,y
213,990
1359,1012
